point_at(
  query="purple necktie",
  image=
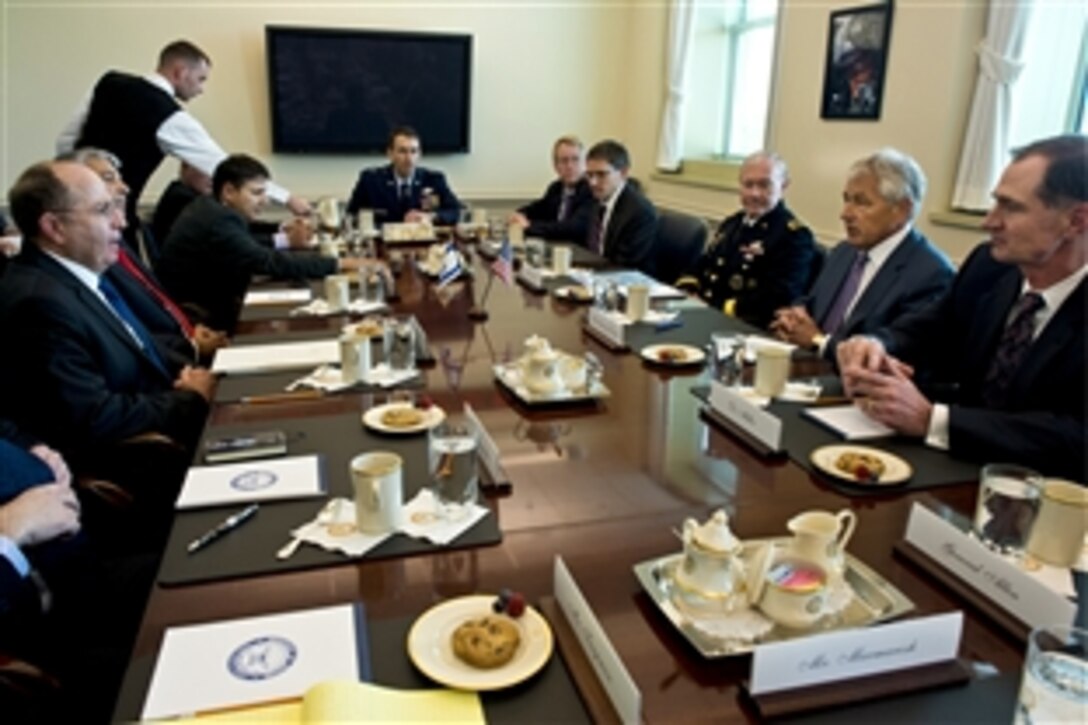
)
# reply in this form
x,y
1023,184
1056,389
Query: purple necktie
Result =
x,y
564,204
596,230
835,316
1014,344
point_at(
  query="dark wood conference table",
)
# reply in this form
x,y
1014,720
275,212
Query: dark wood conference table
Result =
x,y
602,486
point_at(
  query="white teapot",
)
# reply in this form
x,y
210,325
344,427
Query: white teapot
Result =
x,y
712,566
540,367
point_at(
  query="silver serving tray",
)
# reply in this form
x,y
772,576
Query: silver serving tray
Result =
x,y
875,600
509,374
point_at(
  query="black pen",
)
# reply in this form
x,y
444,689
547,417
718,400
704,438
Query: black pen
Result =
x,y
229,524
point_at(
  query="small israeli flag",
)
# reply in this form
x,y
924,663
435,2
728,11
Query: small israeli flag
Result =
x,y
451,266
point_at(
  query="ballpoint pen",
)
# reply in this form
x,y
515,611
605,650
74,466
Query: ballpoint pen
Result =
x,y
229,524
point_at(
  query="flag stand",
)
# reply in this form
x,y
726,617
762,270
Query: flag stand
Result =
x,y
479,313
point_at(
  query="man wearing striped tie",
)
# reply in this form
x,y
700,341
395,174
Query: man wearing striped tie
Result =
x,y
1007,340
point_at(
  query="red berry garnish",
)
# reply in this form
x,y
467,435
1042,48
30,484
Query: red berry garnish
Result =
x,y
862,473
516,606
424,402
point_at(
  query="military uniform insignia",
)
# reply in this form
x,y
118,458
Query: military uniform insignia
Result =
x,y
793,225
736,282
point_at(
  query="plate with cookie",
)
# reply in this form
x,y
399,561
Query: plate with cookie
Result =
x,y
574,293
403,417
465,644
367,327
862,465
673,355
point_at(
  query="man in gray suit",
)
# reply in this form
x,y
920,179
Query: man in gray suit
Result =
x,y
884,269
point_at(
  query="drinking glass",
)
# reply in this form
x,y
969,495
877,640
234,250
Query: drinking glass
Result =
x,y
1054,684
455,480
372,285
725,353
1008,502
399,344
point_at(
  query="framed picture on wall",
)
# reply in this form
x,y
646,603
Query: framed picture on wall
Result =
x,y
857,57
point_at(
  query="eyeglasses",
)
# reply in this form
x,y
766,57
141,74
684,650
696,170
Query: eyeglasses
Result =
x,y
600,174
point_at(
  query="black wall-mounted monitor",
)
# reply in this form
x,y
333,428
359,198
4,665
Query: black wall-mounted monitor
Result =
x,y
342,91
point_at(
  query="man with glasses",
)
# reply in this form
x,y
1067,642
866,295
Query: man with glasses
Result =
x,y
88,375
623,225
563,212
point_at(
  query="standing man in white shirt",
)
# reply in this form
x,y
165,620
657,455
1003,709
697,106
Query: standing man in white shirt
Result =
x,y
141,120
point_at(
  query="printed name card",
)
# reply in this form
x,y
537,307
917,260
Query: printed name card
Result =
x,y
743,413
614,677
532,277
486,448
1000,581
855,653
608,325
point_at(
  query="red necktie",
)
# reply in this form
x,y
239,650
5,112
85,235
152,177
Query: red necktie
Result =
x,y
155,291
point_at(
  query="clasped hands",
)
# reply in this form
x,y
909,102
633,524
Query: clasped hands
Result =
x,y
883,386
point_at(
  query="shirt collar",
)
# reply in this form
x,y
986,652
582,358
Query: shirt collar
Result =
x,y
159,81
879,253
1057,293
610,203
85,275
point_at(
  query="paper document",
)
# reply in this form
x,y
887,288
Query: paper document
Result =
x,y
265,480
344,702
850,422
256,660
279,296
242,359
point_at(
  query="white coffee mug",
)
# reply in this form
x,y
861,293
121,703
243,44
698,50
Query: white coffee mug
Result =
x,y
379,491
772,371
354,357
516,234
638,301
561,255
366,221
338,291
479,218
1057,536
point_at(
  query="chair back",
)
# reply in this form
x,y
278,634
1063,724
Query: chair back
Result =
x,y
681,239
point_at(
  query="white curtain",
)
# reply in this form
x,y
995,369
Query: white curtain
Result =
x,y
985,145
670,144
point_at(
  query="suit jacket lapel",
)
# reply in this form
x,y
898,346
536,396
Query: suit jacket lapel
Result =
x,y
613,223
883,280
838,265
984,336
1054,338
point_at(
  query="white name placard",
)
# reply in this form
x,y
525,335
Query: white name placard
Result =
x,y
532,277
746,415
1015,591
614,677
854,653
486,448
609,325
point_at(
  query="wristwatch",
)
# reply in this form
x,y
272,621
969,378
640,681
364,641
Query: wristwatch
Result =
x,y
818,341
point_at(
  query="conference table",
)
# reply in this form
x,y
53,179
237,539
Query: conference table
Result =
x,y
603,485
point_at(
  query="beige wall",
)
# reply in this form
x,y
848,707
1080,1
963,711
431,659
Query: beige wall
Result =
x,y
531,82
930,79
541,69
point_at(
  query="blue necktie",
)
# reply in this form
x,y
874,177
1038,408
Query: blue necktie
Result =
x,y
125,313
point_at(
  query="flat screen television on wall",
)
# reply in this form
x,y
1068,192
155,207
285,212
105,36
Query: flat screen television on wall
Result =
x,y
342,91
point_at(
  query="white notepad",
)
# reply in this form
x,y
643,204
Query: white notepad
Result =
x,y
850,422
279,296
246,661
242,359
250,481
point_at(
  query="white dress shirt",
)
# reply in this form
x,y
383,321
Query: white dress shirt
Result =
x,y
608,207
180,135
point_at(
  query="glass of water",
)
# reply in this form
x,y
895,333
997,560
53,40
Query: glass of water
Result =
x,y
399,344
1054,685
1008,502
372,284
455,480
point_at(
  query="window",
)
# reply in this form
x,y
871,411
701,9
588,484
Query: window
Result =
x,y
1048,98
730,84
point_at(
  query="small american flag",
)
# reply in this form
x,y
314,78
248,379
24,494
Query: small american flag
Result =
x,y
503,265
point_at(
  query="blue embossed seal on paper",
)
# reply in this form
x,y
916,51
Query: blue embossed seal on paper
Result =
x,y
262,658
253,480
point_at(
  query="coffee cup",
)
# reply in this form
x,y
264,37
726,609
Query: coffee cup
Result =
x,y
561,255
366,221
354,357
338,291
1057,535
516,234
772,370
638,301
379,491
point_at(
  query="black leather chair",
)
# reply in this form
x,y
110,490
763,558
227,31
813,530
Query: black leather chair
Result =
x,y
680,240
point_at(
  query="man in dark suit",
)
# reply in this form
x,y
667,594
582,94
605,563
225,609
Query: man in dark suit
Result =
x,y
562,214
762,257
623,226
1007,340
88,375
884,269
404,191
210,255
